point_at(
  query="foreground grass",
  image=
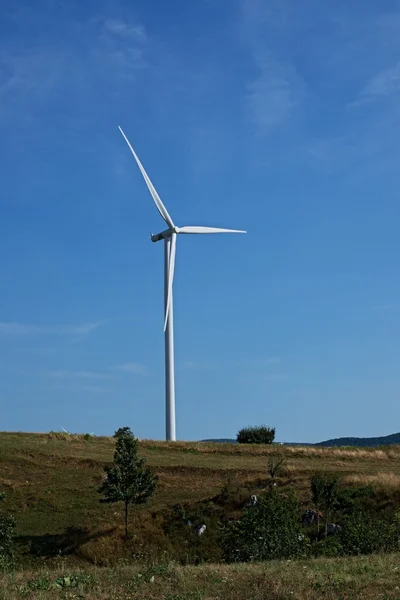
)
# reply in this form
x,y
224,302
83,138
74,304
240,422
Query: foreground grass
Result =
x,y
370,578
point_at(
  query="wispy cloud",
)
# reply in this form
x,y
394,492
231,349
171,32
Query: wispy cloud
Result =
x,y
236,364
264,378
362,78
20,329
32,74
381,85
200,365
276,88
78,388
267,361
131,367
385,306
38,68
123,46
64,374
127,30
269,98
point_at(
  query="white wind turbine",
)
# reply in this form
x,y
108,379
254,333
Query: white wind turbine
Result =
x,y
169,237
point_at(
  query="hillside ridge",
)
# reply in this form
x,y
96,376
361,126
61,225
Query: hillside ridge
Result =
x,y
393,438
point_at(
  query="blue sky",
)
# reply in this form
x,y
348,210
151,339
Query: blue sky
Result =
x,y
278,117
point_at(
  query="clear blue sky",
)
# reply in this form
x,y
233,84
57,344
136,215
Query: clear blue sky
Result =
x,y
279,117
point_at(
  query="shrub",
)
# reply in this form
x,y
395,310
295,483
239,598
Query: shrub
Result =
x,y
256,435
362,533
270,529
330,547
7,525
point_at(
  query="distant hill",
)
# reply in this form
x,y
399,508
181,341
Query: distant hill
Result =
x,y
394,438
386,440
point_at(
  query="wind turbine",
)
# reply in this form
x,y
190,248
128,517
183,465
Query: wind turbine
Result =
x,y
169,236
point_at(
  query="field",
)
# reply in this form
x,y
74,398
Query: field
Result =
x,y
63,529
370,578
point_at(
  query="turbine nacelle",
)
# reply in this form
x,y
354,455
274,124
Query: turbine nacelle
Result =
x,y
157,237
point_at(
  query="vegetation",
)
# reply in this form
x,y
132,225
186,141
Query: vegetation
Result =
x,y
7,525
276,466
317,492
269,530
256,435
325,495
363,533
127,479
51,482
356,578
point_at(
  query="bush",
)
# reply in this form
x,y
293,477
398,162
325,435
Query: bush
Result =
x,y
364,534
330,547
270,529
256,435
7,525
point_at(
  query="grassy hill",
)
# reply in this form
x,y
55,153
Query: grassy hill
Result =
x,y
51,482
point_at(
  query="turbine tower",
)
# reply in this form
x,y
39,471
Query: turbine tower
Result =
x,y
169,236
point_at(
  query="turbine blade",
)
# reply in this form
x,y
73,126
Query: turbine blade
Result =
x,y
161,208
171,270
194,229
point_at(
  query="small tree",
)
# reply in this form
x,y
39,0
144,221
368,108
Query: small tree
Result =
x,y
7,525
256,435
127,479
276,466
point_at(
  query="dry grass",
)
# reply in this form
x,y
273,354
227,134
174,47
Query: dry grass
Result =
x,y
381,479
354,453
369,578
288,451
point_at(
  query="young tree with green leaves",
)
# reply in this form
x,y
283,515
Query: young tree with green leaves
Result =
x,y
127,479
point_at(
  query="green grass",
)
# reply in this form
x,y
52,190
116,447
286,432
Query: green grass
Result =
x,y
369,578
